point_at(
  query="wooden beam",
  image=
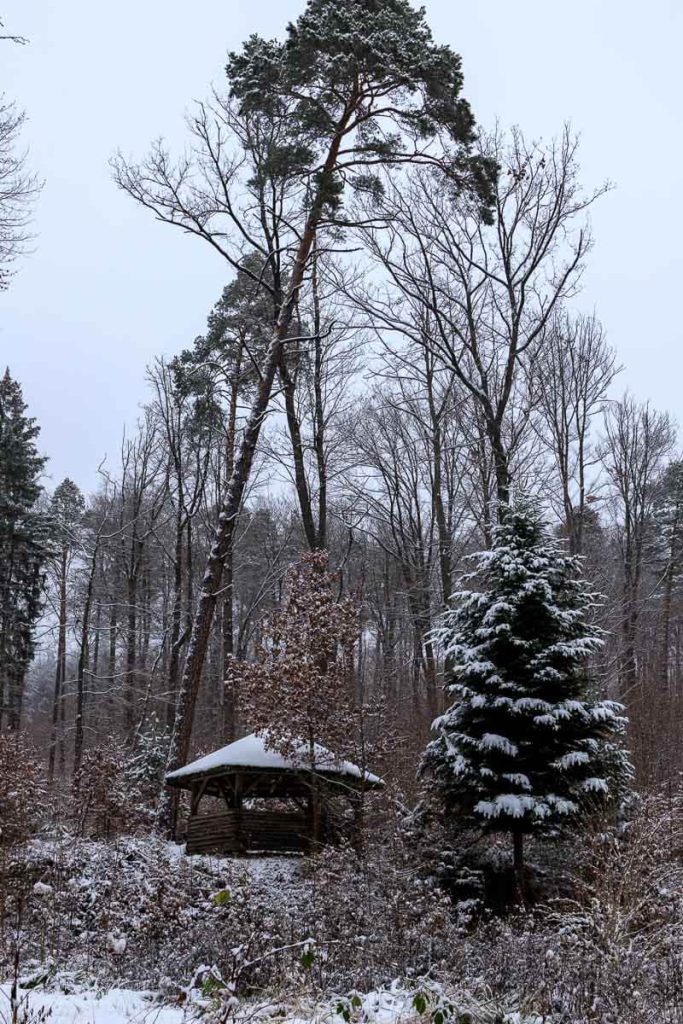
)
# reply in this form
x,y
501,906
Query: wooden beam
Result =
x,y
198,789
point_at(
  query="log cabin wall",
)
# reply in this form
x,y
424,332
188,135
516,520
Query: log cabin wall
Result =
x,y
237,831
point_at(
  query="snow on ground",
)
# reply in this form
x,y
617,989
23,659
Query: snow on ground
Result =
x,y
118,1006
393,1005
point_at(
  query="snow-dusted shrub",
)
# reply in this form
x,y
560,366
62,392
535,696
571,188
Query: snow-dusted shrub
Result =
x,y
376,912
23,808
137,910
22,793
115,789
612,951
476,869
145,767
420,1000
99,793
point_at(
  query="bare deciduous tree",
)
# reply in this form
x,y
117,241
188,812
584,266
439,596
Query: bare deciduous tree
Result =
x,y
266,175
480,297
572,372
19,189
637,440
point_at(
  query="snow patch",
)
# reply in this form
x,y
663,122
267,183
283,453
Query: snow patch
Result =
x,y
252,752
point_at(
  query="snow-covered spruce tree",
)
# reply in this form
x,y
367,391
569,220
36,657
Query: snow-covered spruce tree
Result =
x,y
525,746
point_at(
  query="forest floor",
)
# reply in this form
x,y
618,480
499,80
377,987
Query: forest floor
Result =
x,y
394,1005
117,1006
130,930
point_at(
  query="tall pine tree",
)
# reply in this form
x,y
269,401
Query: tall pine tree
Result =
x,y
23,546
525,746
357,85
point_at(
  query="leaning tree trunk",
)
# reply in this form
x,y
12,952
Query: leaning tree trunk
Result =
x,y
228,694
300,482
225,528
211,583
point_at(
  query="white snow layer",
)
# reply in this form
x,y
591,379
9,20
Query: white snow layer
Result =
x,y
392,1005
491,741
512,805
251,752
90,1007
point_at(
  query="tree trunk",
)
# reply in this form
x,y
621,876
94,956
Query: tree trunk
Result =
x,y
628,669
319,408
445,560
111,658
130,684
666,627
82,664
300,481
176,620
502,471
58,696
225,528
96,646
228,636
16,698
229,699
518,866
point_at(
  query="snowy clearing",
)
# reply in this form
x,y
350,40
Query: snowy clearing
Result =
x,y
385,1006
113,1007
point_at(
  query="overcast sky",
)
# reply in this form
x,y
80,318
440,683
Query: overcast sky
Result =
x,y
108,288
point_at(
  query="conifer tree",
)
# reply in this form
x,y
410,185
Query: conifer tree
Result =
x,y
525,747
356,85
23,546
221,367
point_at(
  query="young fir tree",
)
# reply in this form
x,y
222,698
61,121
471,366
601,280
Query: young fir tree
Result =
x,y
525,746
23,546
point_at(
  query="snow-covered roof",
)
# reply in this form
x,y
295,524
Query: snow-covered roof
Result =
x,y
252,752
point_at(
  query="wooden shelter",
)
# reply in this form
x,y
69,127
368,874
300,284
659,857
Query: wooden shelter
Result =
x,y
273,803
